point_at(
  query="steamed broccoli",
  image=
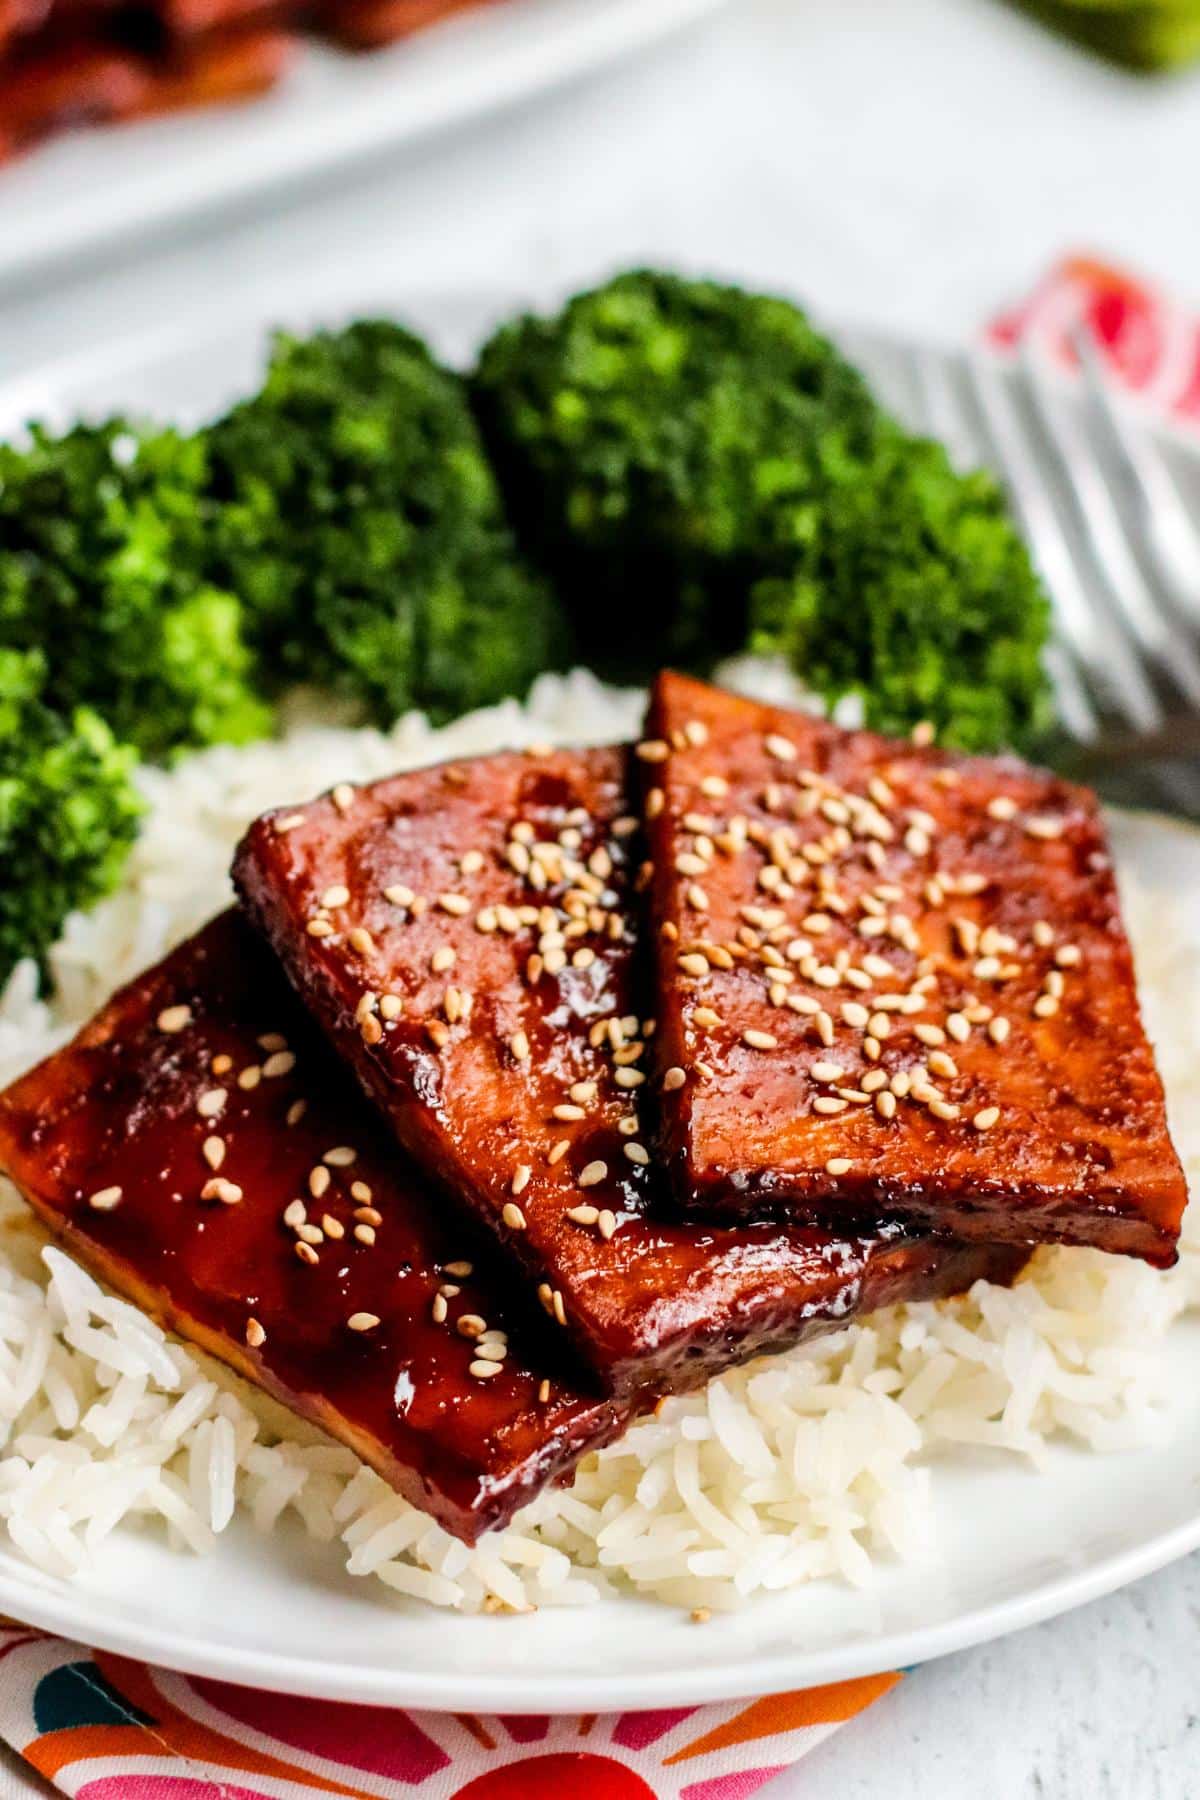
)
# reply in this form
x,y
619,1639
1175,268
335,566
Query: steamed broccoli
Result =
x,y
692,463
68,810
103,540
360,522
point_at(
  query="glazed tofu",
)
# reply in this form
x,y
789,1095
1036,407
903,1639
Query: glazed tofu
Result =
x,y
199,1149
464,935
889,977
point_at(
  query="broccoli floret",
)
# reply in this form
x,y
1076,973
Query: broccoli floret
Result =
x,y
360,521
906,584
68,810
695,464
103,541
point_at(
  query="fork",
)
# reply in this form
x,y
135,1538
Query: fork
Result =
x,y
1117,548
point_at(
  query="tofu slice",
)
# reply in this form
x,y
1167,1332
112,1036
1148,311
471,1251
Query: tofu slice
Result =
x,y
199,1149
464,935
894,978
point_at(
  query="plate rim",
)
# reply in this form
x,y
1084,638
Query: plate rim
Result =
x,y
778,1672
78,1613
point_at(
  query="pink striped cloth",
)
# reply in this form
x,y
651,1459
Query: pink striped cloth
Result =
x,y
1149,340
104,1728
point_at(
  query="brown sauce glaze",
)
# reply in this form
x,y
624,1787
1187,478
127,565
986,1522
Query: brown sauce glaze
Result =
x,y
156,1105
463,933
808,881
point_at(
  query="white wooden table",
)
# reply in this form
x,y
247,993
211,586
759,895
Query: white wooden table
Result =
x,y
911,161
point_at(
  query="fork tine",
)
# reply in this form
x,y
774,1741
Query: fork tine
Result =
x,y
1105,530
1106,655
1172,539
944,417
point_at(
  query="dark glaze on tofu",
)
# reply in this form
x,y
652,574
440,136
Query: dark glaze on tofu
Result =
x,y
192,1147
463,934
894,978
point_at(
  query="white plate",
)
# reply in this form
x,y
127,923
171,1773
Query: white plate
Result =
x,y
278,1612
87,188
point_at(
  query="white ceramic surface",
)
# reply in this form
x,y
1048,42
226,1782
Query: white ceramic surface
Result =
x,y
1013,1547
90,187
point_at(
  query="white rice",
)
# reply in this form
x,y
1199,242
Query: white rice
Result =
x,y
808,1465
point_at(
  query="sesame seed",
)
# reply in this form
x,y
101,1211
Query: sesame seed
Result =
x,y
706,1018
335,896
694,964
362,1321
371,1030
318,1181
456,904
923,734
221,1065
879,1025
984,1120
1045,1006
557,1304
606,1225
637,1153
306,1253
998,1030
256,1337
929,1034
1068,956
1002,807
459,1270
398,894
211,1102
213,1151
583,1092
781,748
828,1103
520,1180
439,1309
655,801
280,1062
104,1199
361,940
885,1104
368,1215
341,1156
343,796
333,1228
390,1006
319,928
653,750
855,1014
1044,828
942,1063
174,1018
944,1109
592,1173
826,1071
294,1214
838,1165
628,1078
513,1217
483,1371
296,1111
227,1192
567,1112
365,1234
472,862
289,822
557,1151
958,1027
714,787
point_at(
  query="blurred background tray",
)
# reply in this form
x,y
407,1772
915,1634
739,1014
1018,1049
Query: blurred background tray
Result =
x,y
89,189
